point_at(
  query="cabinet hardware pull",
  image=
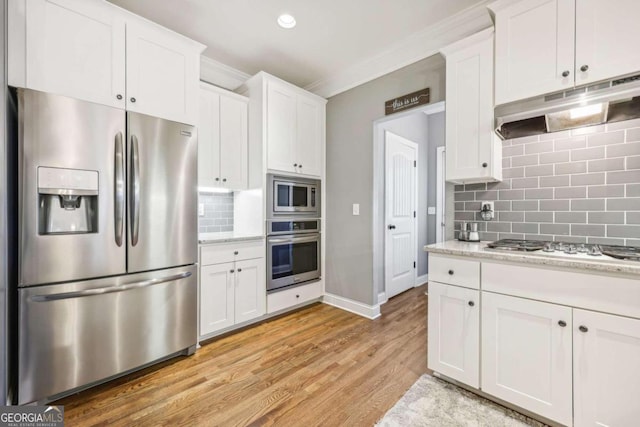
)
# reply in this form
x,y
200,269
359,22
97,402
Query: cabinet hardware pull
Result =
x,y
562,323
297,296
565,73
133,99
231,271
224,179
583,328
450,272
239,270
235,252
392,227
484,165
118,96
584,68
217,179
299,166
295,165
471,303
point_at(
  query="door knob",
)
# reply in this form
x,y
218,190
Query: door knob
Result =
x,y
584,68
392,227
565,73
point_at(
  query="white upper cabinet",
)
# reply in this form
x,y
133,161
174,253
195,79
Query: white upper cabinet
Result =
x,y
310,123
473,151
527,354
607,34
68,47
534,48
545,46
94,51
606,369
222,139
287,129
281,128
454,332
163,73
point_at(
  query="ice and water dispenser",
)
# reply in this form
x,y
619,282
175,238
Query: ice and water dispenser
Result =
x,y
67,201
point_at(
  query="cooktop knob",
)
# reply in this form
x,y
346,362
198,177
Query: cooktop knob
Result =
x,y
595,251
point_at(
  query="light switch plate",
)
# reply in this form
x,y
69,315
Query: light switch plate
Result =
x,y
356,209
431,210
200,209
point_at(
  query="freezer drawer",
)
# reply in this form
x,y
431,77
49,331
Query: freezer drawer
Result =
x,y
78,333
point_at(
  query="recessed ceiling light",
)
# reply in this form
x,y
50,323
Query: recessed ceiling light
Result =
x,y
286,21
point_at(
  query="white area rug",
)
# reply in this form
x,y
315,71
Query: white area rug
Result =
x,y
436,403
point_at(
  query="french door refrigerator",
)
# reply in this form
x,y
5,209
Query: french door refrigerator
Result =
x,y
107,243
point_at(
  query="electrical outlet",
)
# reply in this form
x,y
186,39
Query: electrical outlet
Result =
x,y
356,209
200,209
431,210
487,210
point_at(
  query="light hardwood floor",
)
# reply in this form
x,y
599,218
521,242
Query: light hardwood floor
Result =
x,y
318,366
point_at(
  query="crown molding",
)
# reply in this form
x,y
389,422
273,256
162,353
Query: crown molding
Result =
x,y
219,74
412,49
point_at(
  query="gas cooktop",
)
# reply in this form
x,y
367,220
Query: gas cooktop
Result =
x,y
630,253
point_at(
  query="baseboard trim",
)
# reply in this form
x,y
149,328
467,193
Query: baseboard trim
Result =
x,y
382,298
421,280
356,307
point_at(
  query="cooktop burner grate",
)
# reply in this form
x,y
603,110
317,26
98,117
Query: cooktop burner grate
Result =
x,y
517,245
622,252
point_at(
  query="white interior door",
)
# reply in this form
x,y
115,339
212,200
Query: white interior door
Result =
x,y
400,213
440,194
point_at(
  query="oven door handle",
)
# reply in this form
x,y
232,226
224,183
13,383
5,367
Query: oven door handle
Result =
x,y
302,239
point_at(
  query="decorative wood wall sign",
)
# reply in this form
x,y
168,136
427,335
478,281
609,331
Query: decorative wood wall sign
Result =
x,y
405,102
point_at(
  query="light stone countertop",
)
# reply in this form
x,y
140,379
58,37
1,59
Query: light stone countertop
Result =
x,y
229,236
580,261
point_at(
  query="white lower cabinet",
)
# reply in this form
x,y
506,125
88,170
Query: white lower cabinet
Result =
x,y
606,369
454,332
282,300
527,354
232,285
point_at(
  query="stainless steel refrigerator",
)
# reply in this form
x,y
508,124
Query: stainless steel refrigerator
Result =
x,y
107,243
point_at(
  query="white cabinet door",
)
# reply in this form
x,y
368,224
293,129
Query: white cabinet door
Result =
x,y
209,139
454,332
534,47
76,48
469,113
281,128
216,297
309,134
527,354
233,143
163,73
606,39
606,369
251,291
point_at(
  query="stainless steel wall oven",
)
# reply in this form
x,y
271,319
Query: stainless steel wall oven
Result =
x,y
293,252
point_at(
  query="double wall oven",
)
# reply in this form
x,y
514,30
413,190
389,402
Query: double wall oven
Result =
x,y
293,230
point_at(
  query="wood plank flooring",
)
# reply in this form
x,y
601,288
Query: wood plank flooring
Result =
x,y
317,366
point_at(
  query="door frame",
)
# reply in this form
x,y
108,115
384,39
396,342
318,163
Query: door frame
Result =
x,y
378,213
416,147
441,206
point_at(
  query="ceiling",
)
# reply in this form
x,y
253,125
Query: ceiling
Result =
x,y
331,35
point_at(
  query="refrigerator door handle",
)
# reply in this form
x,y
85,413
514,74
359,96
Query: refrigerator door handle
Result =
x,y
119,189
109,290
134,191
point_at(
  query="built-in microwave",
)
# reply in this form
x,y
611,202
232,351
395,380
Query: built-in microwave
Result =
x,y
292,197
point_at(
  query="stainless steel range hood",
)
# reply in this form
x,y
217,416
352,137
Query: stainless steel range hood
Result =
x,y
607,102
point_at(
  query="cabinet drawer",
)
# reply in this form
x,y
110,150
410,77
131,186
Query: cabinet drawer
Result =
x,y
454,271
284,299
600,292
233,251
